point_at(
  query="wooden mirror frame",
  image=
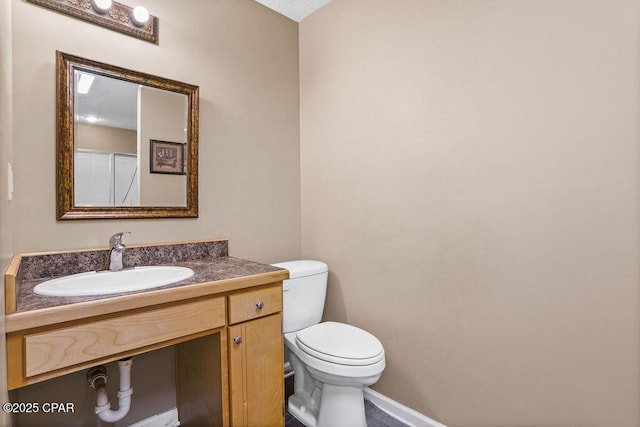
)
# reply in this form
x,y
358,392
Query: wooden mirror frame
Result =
x,y
65,207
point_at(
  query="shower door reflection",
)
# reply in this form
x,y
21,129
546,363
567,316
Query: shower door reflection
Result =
x,y
106,179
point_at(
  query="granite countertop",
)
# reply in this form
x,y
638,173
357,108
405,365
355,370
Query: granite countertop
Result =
x,y
208,270
215,274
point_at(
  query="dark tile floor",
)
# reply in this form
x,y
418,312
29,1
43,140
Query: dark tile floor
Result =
x,y
291,421
376,417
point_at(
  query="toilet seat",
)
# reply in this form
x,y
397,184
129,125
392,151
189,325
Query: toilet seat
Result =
x,y
341,344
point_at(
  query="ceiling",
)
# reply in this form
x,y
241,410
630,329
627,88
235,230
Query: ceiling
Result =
x,y
111,102
294,9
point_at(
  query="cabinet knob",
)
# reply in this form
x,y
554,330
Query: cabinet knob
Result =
x,y
237,340
259,305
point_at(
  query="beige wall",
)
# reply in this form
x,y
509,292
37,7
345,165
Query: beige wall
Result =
x,y
162,115
6,149
105,138
243,56
470,175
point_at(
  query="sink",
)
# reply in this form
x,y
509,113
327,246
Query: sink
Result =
x,y
113,282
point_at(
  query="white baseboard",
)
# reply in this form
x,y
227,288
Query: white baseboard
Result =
x,y
398,411
166,419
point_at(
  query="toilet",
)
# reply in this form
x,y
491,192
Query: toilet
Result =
x,y
332,362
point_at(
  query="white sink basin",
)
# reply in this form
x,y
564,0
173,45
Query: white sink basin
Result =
x,y
113,282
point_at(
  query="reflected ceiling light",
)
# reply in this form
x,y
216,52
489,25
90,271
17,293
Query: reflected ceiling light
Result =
x,y
85,82
140,15
101,6
91,119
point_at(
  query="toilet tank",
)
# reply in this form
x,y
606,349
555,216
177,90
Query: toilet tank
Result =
x,y
303,294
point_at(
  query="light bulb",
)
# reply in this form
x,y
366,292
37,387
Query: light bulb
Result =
x,y
101,6
140,15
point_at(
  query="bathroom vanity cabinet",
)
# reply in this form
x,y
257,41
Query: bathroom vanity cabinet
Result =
x,y
225,323
255,357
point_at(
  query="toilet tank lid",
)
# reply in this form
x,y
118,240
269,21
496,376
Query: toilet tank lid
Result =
x,y
303,268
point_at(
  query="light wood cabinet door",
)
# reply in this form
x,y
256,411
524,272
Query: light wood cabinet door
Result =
x,y
256,372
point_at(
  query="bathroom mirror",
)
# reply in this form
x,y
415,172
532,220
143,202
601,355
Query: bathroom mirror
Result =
x,y
127,143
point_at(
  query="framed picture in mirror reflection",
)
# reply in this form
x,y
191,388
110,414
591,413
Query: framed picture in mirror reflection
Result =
x,y
166,157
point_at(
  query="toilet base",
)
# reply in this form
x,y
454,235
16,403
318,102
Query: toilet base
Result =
x,y
297,408
340,406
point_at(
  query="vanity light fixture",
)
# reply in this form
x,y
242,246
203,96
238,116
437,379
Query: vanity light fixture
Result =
x,y
140,16
85,82
108,14
101,6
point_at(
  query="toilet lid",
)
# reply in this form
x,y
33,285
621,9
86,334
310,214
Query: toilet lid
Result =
x,y
340,343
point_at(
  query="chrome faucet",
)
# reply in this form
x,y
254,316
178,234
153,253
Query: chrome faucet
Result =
x,y
117,249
